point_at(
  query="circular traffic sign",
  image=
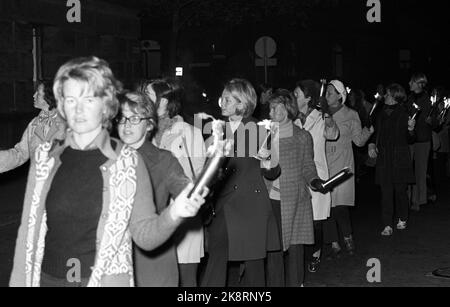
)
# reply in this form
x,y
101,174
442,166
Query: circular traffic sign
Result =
x,y
265,47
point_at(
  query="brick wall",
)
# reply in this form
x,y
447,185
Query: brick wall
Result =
x,y
109,32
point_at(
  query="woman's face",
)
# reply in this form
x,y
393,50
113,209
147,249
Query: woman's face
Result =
x,y
389,100
332,95
132,134
278,112
39,98
84,112
230,105
302,101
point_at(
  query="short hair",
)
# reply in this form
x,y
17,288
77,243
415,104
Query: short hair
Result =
x,y
311,89
174,101
97,74
397,92
285,97
243,91
139,103
49,97
420,78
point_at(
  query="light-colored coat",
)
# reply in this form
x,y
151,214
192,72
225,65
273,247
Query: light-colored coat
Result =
x,y
45,127
315,125
186,141
340,153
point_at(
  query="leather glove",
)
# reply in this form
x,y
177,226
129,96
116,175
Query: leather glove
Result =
x,y
317,186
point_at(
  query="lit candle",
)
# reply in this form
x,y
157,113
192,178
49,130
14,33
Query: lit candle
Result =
x,y
268,125
216,156
417,110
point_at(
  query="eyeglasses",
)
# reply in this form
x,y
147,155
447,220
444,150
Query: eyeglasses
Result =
x,y
134,120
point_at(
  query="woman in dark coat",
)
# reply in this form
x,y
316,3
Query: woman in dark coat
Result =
x,y
244,227
394,133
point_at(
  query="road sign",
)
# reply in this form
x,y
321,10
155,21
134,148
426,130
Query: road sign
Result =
x,y
269,62
265,47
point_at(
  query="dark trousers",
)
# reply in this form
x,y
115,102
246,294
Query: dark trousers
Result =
x,y
389,192
339,220
275,260
48,281
310,250
188,275
252,272
295,266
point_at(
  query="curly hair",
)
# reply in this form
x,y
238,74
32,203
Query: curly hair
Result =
x,y
98,76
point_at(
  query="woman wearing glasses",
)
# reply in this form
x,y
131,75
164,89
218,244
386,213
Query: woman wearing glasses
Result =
x,y
89,197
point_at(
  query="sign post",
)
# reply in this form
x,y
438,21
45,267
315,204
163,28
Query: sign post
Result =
x,y
266,48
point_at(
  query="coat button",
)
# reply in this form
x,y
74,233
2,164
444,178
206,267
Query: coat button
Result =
x,y
104,169
258,191
235,187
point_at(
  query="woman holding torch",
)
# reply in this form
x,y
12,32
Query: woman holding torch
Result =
x,y
244,227
339,156
395,131
290,193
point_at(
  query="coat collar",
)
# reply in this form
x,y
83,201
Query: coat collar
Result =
x,y
101,142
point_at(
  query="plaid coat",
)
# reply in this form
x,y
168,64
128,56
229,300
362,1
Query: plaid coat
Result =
x,y
297,171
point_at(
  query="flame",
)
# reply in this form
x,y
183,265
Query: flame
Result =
x,y
266,123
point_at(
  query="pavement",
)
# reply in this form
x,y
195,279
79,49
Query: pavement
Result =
x,y
405,260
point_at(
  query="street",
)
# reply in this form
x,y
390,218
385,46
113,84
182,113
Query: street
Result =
x,y
406,259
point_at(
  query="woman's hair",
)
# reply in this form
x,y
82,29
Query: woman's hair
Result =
x,y
397,92
97,75
285,97
49,97
174,101
243,91
140,104
311,89
421,79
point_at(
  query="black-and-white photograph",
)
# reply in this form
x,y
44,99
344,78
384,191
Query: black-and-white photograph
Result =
x,y
224,144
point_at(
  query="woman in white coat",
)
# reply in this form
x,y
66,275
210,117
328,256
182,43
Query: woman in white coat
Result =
x,y
339,156
187,145
322,128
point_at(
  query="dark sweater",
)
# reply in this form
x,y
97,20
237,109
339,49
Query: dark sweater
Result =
x,y
74,206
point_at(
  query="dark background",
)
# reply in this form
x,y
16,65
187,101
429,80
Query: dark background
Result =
x,y
213,40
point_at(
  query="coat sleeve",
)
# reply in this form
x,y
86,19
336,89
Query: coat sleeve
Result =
x,y
17,156
359,136
148,229
308,166
176,179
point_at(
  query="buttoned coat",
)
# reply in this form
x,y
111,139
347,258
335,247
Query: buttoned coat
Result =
x,y
243,198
